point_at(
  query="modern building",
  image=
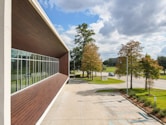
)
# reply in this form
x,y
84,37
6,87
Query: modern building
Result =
x,y
33,62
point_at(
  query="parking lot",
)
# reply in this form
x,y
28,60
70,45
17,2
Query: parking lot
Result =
x,y
79,104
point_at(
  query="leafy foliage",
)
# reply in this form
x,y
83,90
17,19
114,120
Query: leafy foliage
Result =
x,y
110,62
132,50
83,36
156,110
91,59
162,113
150,69
162,62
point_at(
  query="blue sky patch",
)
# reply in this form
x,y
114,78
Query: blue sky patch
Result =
x,y
69,19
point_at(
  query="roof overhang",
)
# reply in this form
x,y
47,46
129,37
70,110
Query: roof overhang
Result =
x,y
33,31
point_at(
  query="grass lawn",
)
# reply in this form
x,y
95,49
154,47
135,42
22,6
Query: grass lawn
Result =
x,y
160,95
97,80
110,69
108,90
163,77
142,93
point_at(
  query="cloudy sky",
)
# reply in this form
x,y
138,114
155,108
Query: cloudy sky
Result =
x,y
115,22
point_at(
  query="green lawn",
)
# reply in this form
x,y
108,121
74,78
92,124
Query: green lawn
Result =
x,y
108,90
98,80
163,77
160,95
110,69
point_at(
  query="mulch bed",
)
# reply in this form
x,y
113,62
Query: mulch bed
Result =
x,y
148,110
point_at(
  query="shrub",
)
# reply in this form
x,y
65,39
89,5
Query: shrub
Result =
x,y
131,94
122,90
142,100
156,110
153,105
134,96
162,113
147,103
138,99
77,75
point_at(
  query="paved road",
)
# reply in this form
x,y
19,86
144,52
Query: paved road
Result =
x,y
79,104
140,82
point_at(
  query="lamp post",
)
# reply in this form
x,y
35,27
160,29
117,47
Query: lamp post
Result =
x,y
74,68
127,74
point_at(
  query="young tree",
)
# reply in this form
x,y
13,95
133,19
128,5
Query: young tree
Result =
x,y
162,62
132,50
91,59
150,68
75,58
83,36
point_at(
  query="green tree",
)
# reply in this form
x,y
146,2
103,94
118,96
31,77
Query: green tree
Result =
x,y
83,36
110,62
75,58
150,69
132,50
91,59
162,62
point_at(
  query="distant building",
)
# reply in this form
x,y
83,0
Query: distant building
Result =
x,y
34,62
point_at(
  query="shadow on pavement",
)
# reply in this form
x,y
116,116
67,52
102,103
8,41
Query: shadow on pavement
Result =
x,y
76,81
94,92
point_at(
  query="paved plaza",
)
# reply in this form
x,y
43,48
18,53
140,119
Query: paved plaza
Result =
x,y
79,104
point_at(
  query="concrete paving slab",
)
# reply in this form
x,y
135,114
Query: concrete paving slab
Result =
x,y
79,104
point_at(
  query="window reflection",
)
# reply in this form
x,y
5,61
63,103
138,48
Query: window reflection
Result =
x,y
28,68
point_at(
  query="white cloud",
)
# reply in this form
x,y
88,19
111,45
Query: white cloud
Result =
x,y
68,37
71,5
119,22
162,52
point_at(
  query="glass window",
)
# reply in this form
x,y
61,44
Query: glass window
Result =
x,y
28,68
23,73
14,53
13,75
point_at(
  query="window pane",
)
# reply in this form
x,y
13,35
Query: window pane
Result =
x,y
19,75
28,68
14,53
13,75
23,73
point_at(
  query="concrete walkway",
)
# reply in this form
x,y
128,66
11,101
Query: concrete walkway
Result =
x,y
79,104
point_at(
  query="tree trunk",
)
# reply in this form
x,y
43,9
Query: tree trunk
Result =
x,y
83,74
131,81
146,83
87,74
164,71
92,75
149,90
101,75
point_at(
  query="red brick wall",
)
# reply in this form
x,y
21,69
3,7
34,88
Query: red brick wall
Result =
x,y
28,106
